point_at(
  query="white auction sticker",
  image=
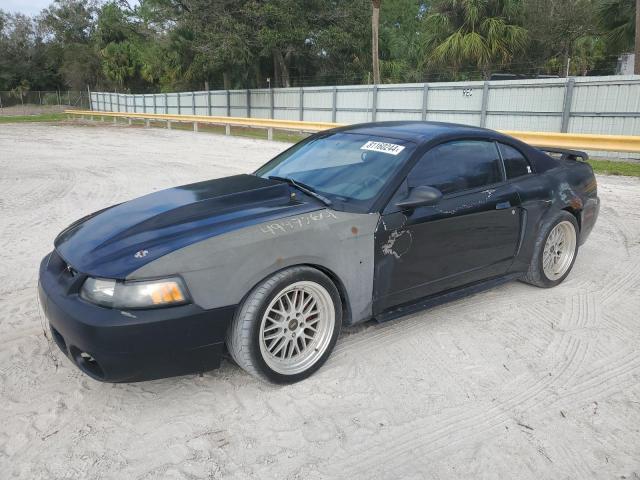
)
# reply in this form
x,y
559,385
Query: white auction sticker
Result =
x,y
390,148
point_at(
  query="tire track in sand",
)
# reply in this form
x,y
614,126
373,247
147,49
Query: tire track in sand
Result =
x,y
431,436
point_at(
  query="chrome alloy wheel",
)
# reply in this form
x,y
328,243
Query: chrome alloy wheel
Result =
x,y
297,327
559,250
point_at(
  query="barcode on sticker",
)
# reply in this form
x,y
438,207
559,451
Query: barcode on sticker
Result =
x,y
390,148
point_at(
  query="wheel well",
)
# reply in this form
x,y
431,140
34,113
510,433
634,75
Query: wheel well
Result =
x,y
346,311
576,213
342,291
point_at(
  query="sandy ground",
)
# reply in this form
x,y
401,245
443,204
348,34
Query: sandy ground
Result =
x,y
517,382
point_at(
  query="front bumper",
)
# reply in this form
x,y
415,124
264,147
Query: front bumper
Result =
x,y
128,345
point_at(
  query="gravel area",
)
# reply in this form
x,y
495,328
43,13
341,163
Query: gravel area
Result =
x,y
517,382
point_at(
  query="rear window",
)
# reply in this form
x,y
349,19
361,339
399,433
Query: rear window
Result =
x,y
514,162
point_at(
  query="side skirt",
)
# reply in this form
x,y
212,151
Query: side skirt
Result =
x,y
445,297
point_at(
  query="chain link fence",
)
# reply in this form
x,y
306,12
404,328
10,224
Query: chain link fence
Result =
x,y
40,102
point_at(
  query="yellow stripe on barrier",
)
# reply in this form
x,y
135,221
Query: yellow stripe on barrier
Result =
x,y
577,141
233,121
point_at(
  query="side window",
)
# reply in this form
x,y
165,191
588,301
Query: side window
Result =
x,y
456,166
514,162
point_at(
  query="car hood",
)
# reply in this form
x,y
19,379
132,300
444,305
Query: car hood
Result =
x,y
115,241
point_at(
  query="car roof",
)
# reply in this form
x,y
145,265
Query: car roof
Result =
x,y
417,131
423,132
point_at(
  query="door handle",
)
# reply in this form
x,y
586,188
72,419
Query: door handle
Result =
x,y
503,205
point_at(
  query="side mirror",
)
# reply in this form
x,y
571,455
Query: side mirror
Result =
x,y
420,197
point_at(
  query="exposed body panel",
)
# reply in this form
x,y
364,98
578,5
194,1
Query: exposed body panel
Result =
x,y
220,271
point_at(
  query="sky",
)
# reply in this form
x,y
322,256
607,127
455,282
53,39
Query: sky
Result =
x,y
29,7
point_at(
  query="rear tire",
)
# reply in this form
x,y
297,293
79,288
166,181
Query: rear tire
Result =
x,y
287,326
554,252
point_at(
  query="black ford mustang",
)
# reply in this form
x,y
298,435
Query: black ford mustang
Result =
x,y
363,222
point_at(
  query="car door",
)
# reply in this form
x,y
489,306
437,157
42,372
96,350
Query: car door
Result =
x,y
470,234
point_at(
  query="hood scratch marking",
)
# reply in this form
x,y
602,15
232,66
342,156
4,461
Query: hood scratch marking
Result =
x,y
294,223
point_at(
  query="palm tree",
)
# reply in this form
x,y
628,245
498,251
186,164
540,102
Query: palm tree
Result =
x,y
621,21
375,24
618,20
20,91
120,62
476,33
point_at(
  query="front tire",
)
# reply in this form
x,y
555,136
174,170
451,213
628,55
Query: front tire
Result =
x,y
555,251
287,326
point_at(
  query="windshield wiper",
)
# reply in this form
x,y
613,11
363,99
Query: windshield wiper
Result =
x,y
303,188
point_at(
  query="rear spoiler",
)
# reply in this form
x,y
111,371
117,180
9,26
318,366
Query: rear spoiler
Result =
x,y
565,153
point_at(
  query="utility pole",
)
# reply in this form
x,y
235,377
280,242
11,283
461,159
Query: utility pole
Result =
x,y
375,24
636,69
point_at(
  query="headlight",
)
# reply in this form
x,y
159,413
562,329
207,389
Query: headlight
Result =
x,y
97,290
114,294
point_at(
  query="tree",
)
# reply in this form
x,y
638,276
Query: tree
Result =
x,y
223,40
79,65
282,30
70,21
21,91
566,37
121,38
24,55
337,45
120,62
617,18
476,34
621,21
375,26
70,26
169,45
401,46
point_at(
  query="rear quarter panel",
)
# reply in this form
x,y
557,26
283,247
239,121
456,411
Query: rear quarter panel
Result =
x,y
570,186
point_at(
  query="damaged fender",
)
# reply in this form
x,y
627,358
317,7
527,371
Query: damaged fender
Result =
x,y
221,270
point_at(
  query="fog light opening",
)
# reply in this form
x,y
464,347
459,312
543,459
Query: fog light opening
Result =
x,y
87,363
59,339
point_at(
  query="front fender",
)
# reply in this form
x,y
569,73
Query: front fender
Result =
x,y
221,270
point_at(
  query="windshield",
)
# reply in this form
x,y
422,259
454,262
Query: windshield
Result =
x,y
348,168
